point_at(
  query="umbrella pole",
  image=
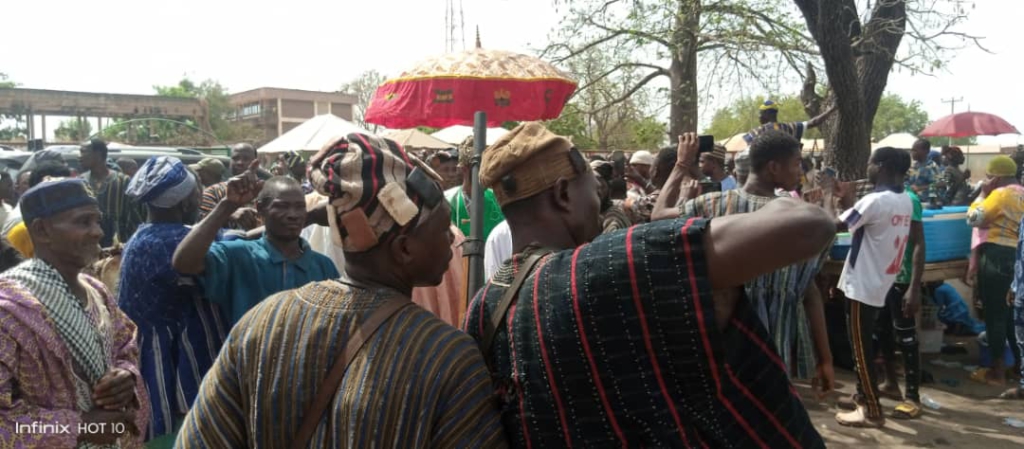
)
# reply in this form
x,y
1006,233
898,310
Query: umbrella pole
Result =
x,y
474,245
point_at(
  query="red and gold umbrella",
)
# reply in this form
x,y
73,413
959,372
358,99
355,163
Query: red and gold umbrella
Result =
x,y
449,89
479,87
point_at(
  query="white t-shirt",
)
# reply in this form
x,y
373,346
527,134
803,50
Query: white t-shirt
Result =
x,y
498,248
880,224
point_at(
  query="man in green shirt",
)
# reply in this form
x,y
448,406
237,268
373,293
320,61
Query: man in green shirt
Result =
x,y
459,196
896,325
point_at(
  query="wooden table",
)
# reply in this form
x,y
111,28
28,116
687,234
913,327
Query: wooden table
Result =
x,y
938,271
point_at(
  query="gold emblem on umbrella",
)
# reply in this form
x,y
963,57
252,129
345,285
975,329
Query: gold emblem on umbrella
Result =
x,y
502,98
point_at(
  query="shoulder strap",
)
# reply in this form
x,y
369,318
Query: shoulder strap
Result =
x,y
492,325
324,395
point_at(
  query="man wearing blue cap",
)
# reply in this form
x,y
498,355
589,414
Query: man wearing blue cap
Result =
x,y
67,353
180,333
769,119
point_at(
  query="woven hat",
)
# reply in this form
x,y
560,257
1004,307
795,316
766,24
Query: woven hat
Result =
x,y
52,197
466,151
528,160
365,177
719,152
1001,166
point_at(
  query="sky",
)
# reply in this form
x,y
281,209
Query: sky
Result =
x,y
127,46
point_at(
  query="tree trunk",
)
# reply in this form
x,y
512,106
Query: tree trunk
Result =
x,y
858,65
683,70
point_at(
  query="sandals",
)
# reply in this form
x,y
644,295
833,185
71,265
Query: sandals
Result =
x,y
859,419
907,410
1015,394
980,375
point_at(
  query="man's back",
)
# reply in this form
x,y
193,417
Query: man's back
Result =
x,y
615,343
417,382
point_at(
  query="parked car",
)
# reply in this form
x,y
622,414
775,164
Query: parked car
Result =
x,y
15,161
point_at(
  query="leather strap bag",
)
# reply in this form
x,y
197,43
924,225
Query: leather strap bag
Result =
x,y
501,311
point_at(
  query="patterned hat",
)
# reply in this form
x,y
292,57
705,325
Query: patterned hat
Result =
x,y
293,159
528,160
769,106
161,182
50,198
374,186
719,152
466,151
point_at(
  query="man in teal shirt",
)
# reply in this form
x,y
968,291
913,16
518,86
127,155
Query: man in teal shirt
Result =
x,y
459,197
238,274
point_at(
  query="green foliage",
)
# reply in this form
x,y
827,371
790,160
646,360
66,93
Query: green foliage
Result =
x,y
14,127
73,130
187,131
573,124
648,132
363,87
898,116
742,116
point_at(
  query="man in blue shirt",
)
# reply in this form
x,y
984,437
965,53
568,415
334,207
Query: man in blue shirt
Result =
x,y
238,274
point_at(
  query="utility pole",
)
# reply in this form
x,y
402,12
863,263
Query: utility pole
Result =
x,y
952,110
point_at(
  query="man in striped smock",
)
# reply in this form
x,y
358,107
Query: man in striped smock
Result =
x,y
179,332
787,300
415,382
620,341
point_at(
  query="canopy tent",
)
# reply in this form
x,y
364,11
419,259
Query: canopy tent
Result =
x,y
455,135
418,140
898,140
311,135
734,144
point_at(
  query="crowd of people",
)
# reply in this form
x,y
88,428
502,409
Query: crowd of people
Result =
x,y
321,303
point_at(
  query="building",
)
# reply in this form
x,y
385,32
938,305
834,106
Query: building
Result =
x,y
276,111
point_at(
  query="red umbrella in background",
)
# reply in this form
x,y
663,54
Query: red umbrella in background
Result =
x,y
476,87
969,124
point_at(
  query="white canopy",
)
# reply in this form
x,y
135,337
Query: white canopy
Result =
x,y
898,140
414,138
311,135
455,135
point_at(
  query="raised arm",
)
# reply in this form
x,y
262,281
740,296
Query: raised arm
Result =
x,y
817,121
190,257
786,231
682,181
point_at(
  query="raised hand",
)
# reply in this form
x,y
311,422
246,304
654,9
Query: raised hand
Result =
x,y
242,189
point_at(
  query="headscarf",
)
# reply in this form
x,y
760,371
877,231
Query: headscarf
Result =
x,y
162,182
366,179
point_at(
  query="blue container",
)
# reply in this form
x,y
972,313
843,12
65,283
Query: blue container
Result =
x,y
841,246
946,234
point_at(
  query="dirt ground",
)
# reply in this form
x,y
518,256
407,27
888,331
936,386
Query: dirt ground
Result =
x,y
969,415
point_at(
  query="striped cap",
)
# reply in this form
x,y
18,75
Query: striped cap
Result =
x,y
364,176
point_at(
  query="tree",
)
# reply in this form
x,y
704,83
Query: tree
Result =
x,y
742,116
897,116
363,87
662,39
15,127
218,124
75,130
858,56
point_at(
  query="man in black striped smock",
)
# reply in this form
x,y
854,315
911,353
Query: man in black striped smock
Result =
x,y
415,383
619,341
